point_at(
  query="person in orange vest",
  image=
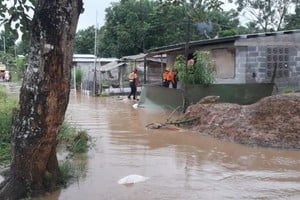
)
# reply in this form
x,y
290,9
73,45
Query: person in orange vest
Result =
x,y
174,78
133,82
166,77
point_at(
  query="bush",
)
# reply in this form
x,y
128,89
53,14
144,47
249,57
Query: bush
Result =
x,y
289,90
78,75
201,72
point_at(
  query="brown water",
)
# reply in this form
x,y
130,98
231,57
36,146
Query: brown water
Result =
x,y
179,164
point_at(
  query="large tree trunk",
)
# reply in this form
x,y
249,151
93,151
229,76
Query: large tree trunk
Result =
x,y
44,97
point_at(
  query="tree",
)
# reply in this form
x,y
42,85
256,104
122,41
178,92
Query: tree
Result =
x,y
126,28
293,20
7,43
135,25
44,96
269,15
224,23
85,40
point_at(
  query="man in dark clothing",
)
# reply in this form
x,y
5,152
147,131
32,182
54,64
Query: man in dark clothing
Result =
x,y
133,81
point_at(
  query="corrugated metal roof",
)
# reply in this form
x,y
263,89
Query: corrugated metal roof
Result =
x,y
91,60
194,44
84,56
134,57
110,66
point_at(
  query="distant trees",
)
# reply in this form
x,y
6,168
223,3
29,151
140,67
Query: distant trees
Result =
x,y
293,20
132,26
126,28
85,40
269,15
7,41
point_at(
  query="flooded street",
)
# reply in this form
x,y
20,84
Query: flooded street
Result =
x,y
179,164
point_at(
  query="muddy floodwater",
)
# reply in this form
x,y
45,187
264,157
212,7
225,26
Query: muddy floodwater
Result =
x,y
179,164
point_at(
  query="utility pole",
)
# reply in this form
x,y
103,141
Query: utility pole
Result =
x,y
95,61
186,52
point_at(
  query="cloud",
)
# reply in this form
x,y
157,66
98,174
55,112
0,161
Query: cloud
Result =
x,y
94,12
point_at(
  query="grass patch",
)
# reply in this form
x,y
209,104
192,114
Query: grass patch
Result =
x,y
5,155
75,140
289,90
7,105
104,94
70,171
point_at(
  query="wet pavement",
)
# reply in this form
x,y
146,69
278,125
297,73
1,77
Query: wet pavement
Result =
x,y
180,164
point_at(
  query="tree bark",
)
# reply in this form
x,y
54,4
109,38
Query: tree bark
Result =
x,y
44,96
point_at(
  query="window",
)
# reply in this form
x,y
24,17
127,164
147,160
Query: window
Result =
x,y
225,64
278,58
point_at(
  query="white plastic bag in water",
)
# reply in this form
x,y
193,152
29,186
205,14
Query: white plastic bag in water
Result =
x,y
131,179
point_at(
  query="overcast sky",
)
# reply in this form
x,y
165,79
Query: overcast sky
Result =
x,y
91,7
88,18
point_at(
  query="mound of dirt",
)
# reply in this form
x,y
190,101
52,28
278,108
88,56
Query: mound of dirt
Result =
x,y
271,122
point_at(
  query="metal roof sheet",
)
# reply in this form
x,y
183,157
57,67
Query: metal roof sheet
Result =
x,y
194,44
134,57
110,66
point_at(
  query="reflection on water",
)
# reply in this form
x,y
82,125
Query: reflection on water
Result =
x,y
179,164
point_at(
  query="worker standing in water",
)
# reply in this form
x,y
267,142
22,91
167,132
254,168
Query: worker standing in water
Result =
x,y
174,78
170,76
166,77
133,82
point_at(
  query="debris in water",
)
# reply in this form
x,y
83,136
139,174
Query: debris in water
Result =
x,y
131,179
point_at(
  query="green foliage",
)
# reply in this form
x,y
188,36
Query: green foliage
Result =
x,y
78,75
70,170
293,21
6,58
104,94
5,155
76,140
269,15
22,47
16,16
133,26
202,72
289,90
66,133
85,41
7,104
7,40
20,63
80,143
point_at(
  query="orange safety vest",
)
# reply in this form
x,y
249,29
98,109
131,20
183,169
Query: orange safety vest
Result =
x,y
170,76
166,75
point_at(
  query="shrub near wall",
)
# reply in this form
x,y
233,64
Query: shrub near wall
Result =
x,y
200,72
78,76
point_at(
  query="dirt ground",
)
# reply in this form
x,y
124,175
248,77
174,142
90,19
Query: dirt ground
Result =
x,y
271,122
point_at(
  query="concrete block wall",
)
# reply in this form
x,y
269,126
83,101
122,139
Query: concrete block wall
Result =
x,y
252,54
